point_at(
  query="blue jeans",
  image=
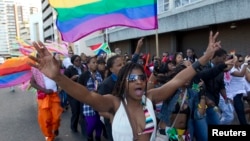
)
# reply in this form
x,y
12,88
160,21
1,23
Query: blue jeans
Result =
x,y
212,116
200,129
239,109
227,115
83,125
108,127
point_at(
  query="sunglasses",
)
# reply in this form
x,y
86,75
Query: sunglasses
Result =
x,y
240,61
134,77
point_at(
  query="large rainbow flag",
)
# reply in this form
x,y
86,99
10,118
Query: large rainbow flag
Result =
x,y
15,71
78,18
15,79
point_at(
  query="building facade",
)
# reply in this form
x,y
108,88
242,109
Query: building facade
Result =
x,y
4,43
14,24
186,24
48,18
8,25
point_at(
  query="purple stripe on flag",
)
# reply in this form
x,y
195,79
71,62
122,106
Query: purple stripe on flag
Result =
x,y
113,20
15,79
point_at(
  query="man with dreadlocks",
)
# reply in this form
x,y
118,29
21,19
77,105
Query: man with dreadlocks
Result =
x,y
131,103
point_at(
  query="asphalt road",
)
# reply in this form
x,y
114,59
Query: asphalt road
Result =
x,y
18,118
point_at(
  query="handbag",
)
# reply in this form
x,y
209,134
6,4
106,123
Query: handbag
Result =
x,y
171,131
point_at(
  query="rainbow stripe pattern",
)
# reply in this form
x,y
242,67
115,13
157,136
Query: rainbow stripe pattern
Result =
x,y
78,18
15,71
53,47
14,65
15,78
149,128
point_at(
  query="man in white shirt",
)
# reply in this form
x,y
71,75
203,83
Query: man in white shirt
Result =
x,y
66,61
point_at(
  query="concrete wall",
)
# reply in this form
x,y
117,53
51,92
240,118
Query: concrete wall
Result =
x,y
231,39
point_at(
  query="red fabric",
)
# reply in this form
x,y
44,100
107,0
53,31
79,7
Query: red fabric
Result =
x,y
148,72
164,59
40,94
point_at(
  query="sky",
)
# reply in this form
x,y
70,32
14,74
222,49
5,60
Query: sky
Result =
x,y
36,3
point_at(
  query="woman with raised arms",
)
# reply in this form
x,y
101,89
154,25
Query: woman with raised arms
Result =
x,y
131,105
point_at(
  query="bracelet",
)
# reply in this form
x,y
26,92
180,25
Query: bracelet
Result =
x,y
197,66
199,106
245,64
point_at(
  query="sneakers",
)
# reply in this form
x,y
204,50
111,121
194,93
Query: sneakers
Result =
x,y
49,138
56,132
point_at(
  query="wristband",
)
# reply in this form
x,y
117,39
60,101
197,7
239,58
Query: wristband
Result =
x,y
197,66
200,107
245,64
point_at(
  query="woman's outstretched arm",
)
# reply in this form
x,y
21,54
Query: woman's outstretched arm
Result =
x,y
50,67
165,91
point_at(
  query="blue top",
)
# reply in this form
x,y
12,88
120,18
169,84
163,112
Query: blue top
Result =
x,y
169,105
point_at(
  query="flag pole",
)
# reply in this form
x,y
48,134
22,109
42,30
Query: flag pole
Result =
x,y
106,38
104,35
157,43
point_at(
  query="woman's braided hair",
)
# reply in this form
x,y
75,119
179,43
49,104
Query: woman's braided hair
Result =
x,y
120,88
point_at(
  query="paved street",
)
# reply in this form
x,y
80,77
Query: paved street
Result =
x,y
18,118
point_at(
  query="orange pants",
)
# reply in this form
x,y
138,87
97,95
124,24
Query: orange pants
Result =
x,y
49,115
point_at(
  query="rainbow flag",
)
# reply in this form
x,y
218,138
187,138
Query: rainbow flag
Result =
x,y
54,47
78,18
15,79
15,71
14,65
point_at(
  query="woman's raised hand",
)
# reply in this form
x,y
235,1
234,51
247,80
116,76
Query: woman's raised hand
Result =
x,y
44,61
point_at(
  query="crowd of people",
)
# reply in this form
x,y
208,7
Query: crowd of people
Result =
x,y
129,97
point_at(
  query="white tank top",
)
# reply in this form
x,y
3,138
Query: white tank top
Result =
x,y
121,129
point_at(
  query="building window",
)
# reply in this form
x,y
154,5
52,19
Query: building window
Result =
x,y
179,3
163,6
36,30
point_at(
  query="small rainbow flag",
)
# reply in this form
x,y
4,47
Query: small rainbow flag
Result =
x,y
54,47
78,18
